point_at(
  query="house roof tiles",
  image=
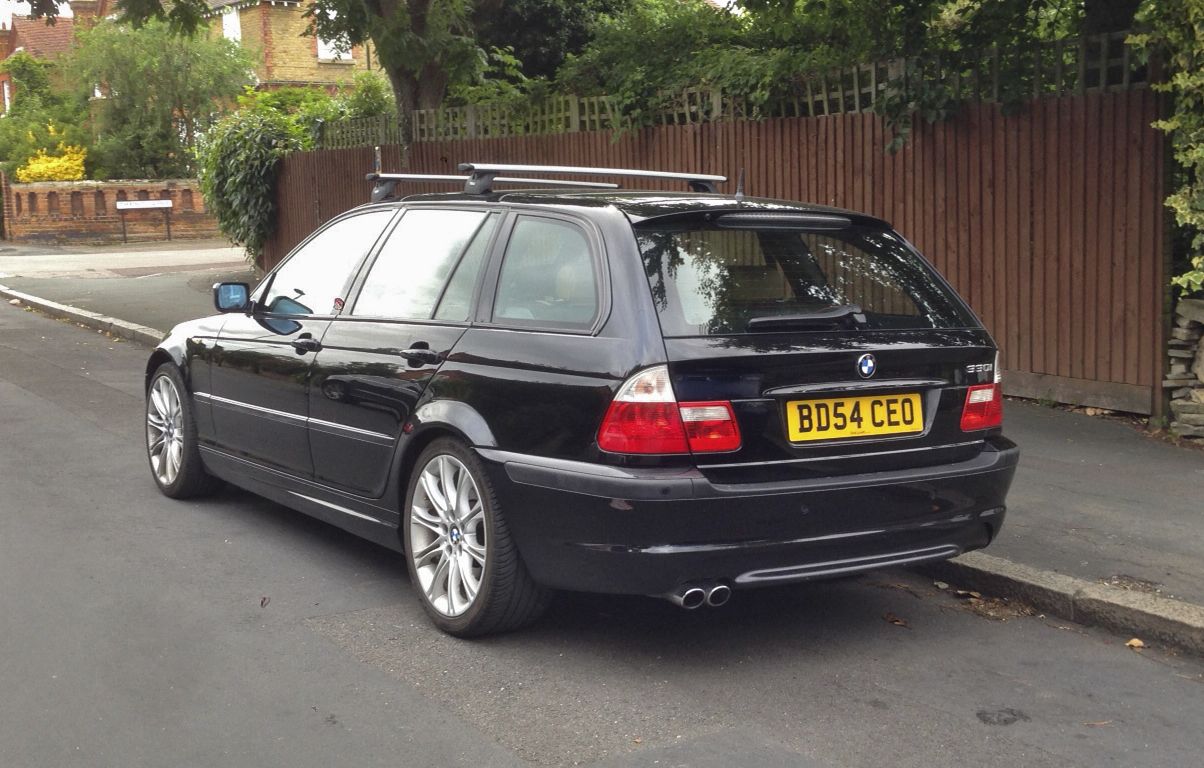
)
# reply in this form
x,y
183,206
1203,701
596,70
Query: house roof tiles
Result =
x,y
45,41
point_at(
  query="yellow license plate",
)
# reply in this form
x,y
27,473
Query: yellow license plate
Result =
x,y
841,417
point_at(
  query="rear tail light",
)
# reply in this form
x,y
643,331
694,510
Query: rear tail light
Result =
x,y
710,427
645,417
983,408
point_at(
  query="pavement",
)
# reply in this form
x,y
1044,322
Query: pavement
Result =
x,y
1104,524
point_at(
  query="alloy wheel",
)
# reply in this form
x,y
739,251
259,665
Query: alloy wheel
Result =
x,y
165,430
448,535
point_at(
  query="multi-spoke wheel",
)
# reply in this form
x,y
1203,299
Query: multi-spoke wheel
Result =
x,y
171,437
465,568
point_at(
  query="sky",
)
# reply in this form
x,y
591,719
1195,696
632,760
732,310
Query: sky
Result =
x,y
8,9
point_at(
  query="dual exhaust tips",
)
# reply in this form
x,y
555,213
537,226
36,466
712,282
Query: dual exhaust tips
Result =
x,y
695,595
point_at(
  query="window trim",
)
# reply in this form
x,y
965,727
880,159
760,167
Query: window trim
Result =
x,y
353,292
265,285
597,252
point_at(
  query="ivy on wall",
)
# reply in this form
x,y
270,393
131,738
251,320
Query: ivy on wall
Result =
x,y
1174,31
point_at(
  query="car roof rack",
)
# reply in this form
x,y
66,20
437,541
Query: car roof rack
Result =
x,y
484,174
386,183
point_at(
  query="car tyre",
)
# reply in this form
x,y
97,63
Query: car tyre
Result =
x,y
171,438
464,566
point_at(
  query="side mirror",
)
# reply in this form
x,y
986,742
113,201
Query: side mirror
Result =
x,y
231,297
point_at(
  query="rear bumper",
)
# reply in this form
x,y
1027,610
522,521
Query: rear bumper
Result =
x,y
597,528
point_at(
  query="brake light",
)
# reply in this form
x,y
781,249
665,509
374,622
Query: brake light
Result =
x,y
983,408
646,418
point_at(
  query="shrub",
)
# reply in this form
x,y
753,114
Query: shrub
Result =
x,y
68,165
239,162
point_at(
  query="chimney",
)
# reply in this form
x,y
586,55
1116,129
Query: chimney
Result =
x,y
6,38
85,11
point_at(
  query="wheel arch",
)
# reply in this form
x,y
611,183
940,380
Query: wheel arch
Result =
x,y
158,358
433,420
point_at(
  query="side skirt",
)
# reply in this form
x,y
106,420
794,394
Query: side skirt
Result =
x,y
352,514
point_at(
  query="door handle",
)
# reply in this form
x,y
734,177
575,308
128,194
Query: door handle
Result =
x,y
421,356
306,344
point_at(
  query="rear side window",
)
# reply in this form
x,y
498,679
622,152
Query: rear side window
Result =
x,y
712,281
547,277
408,276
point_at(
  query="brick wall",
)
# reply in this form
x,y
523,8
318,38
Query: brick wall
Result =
x,y
86,211
273,33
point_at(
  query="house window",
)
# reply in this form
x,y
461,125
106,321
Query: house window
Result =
x,y
7,96
231,28
335,49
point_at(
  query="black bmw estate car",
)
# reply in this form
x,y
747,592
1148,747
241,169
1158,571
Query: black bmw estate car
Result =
x,y
673,394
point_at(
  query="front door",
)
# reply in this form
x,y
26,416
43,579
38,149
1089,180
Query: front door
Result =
x,y
261,364
411,308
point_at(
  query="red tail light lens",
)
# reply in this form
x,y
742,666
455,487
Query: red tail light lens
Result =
x,y
710,427
645,417
983,409
642,428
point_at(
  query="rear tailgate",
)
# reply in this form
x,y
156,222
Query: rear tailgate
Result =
x,y
840,349
804,410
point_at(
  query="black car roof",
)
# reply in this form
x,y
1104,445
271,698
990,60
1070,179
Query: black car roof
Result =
x,y
642,206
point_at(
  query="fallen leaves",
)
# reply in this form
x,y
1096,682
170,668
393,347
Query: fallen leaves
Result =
x,y
891,618
1136,644
263,602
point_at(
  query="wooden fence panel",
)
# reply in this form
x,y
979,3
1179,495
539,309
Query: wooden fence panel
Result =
x,y
1050,221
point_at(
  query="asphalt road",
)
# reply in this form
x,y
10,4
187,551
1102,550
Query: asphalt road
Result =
x,y
139,631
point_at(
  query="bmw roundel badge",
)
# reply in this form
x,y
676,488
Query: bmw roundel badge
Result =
x,y
866,366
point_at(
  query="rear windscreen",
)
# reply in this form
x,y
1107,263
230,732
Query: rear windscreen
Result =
x,y
717,281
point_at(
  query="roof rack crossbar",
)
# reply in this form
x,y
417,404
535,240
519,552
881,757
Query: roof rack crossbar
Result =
x,y
484,173
386,183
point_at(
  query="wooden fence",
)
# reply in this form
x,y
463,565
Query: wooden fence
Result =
x,y
1095,63
1050,221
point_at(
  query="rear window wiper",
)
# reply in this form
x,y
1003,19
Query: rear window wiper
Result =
x,y
828,317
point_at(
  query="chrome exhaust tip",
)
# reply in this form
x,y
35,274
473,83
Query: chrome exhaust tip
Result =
x,y
687,597
718,595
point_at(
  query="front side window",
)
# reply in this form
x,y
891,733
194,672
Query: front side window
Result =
x,y
414,264
318,273
547,277
708,280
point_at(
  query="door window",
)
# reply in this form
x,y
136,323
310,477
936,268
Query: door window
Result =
x,y
547,277
457,297
319,272
415,263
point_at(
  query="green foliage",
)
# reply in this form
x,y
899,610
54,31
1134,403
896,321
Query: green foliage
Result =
x,y
239,162
41,116
1174,31
368,96
158,92
303,110
540,34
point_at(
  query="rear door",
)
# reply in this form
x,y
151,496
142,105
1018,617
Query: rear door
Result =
x,y
411,307
259,377
832,340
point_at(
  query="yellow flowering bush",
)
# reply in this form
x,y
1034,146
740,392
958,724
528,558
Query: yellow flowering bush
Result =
x,y
68,165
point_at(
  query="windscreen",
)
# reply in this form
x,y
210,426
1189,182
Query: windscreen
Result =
x,y
707,281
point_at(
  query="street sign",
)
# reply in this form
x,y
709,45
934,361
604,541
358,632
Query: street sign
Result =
x,y
130,205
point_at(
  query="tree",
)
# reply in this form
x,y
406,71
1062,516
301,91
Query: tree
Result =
x,y
41,116
157,90
542,33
